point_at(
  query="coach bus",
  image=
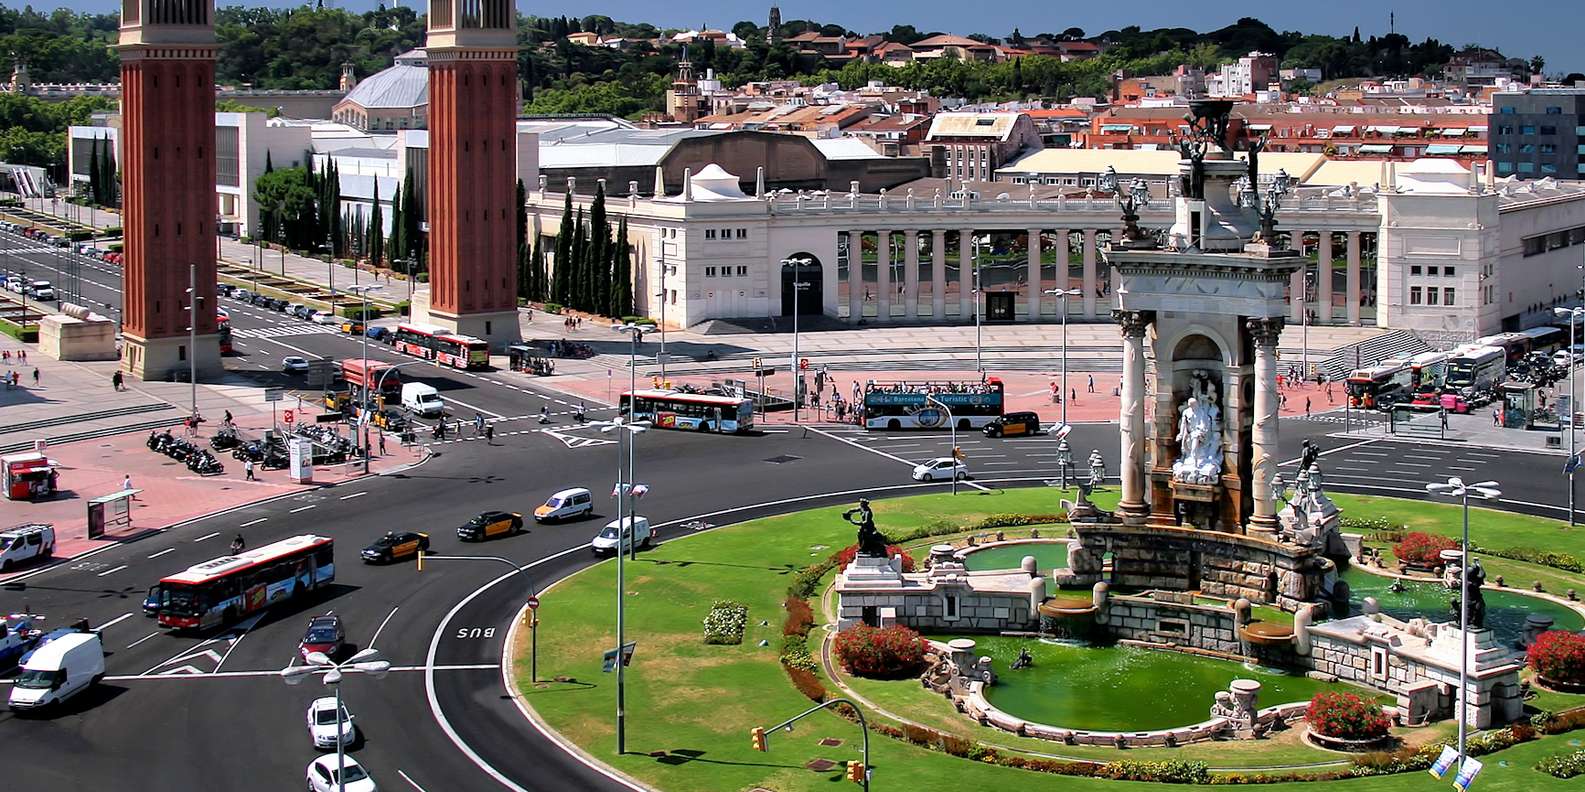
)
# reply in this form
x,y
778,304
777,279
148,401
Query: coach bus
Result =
x,y
918,405
1369,387
443,346
1514,345
1546,339
229,588
1476,368
700,412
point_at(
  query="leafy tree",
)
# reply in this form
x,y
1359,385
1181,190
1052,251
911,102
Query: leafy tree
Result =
x,y
290,203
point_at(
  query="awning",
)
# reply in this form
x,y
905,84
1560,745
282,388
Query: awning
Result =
x,y
1117,127
1371,148
1260,127
1441,148
1385,130
1455,132
1472,149
1343,129
1147,147
1477,128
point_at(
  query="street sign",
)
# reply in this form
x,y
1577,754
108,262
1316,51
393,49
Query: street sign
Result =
x,y
533,603
608,662
756,363
1571,465
803,364
1062,431
289,417
274,394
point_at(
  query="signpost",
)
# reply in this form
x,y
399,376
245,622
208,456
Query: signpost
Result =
x,y
273,395
608,663
533,639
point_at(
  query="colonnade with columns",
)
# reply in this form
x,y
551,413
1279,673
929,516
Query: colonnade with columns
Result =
x,y
1323,292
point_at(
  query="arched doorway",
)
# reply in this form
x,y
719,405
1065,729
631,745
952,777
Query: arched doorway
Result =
x,y
808,272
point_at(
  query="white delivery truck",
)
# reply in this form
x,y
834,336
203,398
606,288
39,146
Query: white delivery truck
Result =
x,y
59,670
422,399
638,532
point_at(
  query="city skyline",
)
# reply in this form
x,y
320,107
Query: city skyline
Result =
x,y
1456,22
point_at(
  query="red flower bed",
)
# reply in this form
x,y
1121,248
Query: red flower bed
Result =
x,y
846,555
1423,548
1346,717
1559,655
881,652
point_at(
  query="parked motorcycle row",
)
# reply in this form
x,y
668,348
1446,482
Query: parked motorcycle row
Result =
x,y
198,460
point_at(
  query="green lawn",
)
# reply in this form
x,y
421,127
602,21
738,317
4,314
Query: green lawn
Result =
x,y
690,706
1487,527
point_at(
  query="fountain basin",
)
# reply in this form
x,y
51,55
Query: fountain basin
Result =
x,y
1267,633
1506,610
1049,554
1067,607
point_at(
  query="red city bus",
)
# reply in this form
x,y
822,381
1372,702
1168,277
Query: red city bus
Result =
x,y
439,344
229,588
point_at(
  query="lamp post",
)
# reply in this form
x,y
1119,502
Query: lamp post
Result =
x,y
363,317
1064,454
192,335
952,423
661,356
1574,315
367,661
625,496
798,285
1456,488
974,267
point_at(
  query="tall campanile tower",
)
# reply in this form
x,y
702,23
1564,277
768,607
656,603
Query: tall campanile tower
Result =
x,y
472,48
168,185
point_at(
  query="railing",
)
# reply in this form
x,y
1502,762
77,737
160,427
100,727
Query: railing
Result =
x,y
1313,200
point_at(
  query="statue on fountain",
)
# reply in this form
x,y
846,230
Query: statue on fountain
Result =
x,y
1474,578
1024,660
872,543
1199,435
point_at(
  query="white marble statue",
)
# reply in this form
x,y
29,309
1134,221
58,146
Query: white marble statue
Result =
x,y
1199,436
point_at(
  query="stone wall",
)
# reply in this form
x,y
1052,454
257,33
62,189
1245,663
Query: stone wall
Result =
x,y
1495,695
926,611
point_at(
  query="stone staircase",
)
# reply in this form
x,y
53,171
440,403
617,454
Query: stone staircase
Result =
x,y
1396,344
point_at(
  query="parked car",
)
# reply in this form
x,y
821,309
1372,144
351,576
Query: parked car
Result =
x,y
303,312
352,326
242,295
325,318
322,775
327,726
324,635
394,545
490,524
941,468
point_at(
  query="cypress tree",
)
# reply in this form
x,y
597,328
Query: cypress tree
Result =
x,y
412,217
622,274
559,289
394,246
580,251
376,230
268,165
524,282
597,264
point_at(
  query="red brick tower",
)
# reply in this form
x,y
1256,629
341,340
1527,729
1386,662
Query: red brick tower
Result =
x,y
472,48
168,184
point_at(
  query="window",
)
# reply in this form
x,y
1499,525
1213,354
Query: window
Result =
x,y
1508,110
1548,167
1414,295
1415,270
742,271
709,233
1527,129
709,272
726,233
951,608
1534,246
1505,129
1505,167
742,233
1448,296
1554,110
1526,148
1430,295
1504,148
1527,167
1549,130
1448,271
1548,148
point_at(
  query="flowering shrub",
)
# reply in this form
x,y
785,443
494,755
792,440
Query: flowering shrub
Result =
x,y
725,622
1346,717
1172,771
884,652
808,683
846,555
1563,765
1559,655
1423,548
800,617
795,653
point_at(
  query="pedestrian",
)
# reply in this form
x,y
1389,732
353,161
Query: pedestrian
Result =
x,y
24,354
1091,388
1444,420
116,381
1307,406
126,482
1496,416
1056,394
531,315
227,421
35,376
489,435
382,444
247,466
5,354
1073,396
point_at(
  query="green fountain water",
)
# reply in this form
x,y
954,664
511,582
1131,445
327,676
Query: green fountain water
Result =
x,y
1505,610
1048,556
1121,688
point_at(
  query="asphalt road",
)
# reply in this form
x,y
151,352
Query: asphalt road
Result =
x,y
188,712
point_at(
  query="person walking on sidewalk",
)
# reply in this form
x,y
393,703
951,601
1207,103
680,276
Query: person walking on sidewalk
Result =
x,y
382,444
1307,406
126,484
247,467
35,377
489,434
1091,388
116,381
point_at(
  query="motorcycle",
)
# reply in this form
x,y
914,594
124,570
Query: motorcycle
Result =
x,y
204,464
225,438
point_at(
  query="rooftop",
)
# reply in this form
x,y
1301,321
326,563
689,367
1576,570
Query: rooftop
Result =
x,y
402,85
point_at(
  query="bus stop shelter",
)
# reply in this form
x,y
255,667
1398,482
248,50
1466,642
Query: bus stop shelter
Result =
x,y
110,512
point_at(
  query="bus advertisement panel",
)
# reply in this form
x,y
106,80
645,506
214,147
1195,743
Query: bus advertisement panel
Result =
x,y
918,405
700,412
443,346
229,588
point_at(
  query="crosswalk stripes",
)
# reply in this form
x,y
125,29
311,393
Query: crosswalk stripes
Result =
x,y
282,331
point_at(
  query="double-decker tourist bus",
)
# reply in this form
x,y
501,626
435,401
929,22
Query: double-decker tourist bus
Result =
x,y
229,588
1369,387
919,405
443,346
700,412
1475,368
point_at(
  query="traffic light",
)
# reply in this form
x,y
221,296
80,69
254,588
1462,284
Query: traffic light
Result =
x,y
856,772
759,739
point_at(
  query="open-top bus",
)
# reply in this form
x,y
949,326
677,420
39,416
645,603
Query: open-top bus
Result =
x,y
1370,387
701,412
918,405
443,346
228,588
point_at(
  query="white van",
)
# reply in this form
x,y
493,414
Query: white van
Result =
x,y
568,504
605,541
26,542
59,670
41,290
422,399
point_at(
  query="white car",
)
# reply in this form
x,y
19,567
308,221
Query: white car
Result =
x,y
326,318
292,364
322,776
940,468
322,724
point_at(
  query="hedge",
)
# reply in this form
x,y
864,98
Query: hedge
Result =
x,y
551,308
725,622
1423,548
1563,765
880,652
29,334
1346,716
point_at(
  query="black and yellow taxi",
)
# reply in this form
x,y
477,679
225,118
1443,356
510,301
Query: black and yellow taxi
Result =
x,y
489,525
395,545
1014,424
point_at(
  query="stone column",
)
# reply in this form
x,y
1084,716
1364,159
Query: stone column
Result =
x,y
1034,276
1263,440
1131,414
883,275
855,276
910,274
1089,273
1352,281
938,274
965,279
1296,304
1323,280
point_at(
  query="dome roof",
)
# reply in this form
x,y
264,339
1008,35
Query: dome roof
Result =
x,y
405,84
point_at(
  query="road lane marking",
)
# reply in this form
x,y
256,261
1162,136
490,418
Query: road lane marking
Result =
x,y
188,673
207,536
163,552
302,508
253,522
353,495
410,781
879,452
112,571
141,640
117,620
377,630
246,625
